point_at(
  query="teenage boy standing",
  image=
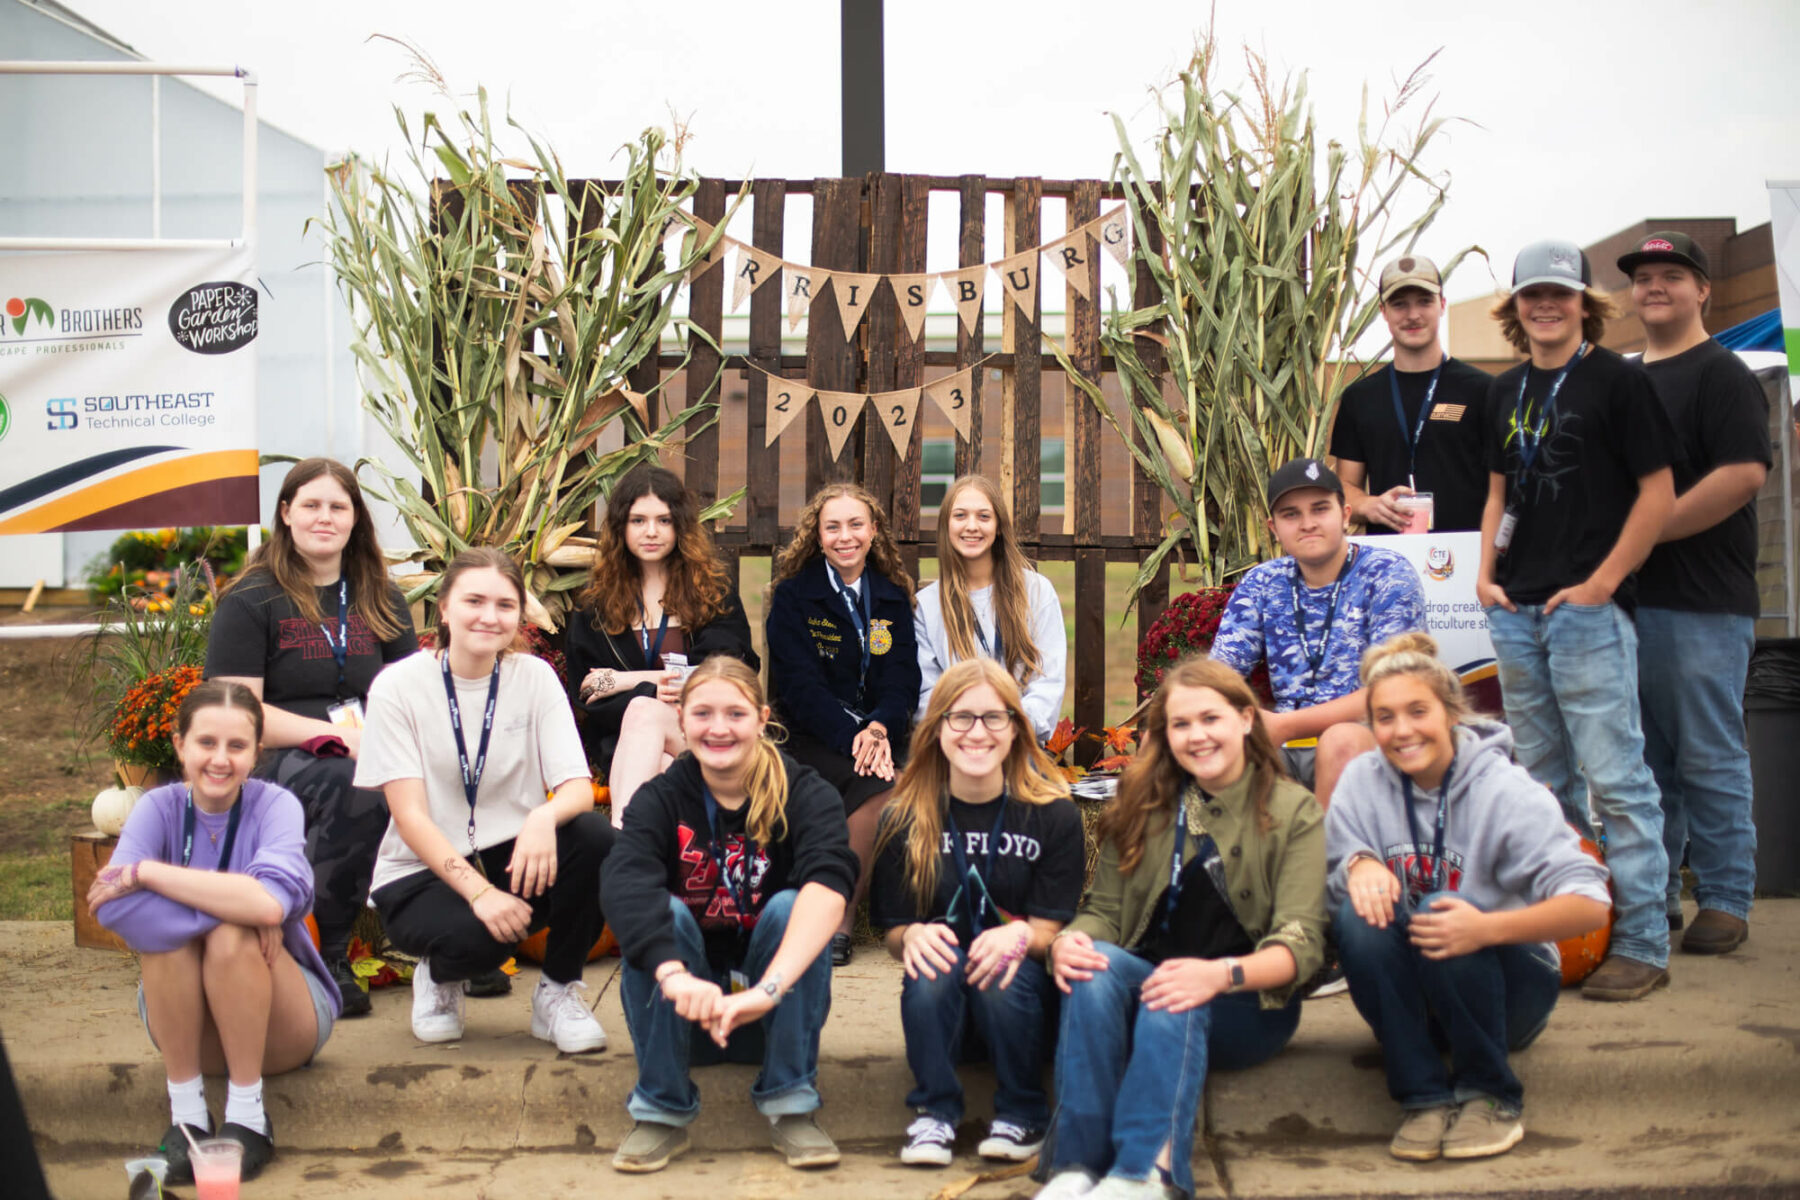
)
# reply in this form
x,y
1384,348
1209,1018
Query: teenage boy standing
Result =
x,y
1579,488
1697,595
1311,615
1414,429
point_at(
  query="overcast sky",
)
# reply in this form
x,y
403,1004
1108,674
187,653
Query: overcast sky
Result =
x,y
1581,118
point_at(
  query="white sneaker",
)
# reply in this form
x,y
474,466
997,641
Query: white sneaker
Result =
x,y
437,1014
559,1014
929,1142
1066,1185
1115,1188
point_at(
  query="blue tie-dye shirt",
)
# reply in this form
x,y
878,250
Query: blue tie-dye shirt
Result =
x,y
1381,597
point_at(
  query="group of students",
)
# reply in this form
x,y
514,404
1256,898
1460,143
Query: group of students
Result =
x,y
906,762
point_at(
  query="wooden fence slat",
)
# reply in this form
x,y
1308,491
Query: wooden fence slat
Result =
x,y
1082,463
706,307
762,464
971,249
909,364
1146,497
885,334
1022,392
832,360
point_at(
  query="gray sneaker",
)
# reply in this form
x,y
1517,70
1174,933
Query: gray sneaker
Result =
x,y
1421,1134
1482,1129
649,1147
800,1139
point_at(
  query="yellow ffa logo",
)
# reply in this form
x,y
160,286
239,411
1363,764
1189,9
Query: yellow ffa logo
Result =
x,y
1440,564
881,637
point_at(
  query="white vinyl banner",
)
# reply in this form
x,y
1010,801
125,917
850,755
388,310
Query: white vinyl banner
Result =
x,y
1447,564
127,389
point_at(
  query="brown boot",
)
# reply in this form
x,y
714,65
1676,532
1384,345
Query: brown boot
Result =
x,y
1714,932
1621,978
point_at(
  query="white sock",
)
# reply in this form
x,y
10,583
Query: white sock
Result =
x,y
244,1106
187,1103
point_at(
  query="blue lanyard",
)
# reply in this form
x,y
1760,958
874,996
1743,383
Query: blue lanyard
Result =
x,y
1418,429
716,847
997,651
859,606
652,650
1440,872
1316,659
340,646
979,909
1173,896
471,775
231,828
1531,439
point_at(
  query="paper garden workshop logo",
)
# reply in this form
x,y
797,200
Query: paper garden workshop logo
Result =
x,y
214,318
1440,564
21,309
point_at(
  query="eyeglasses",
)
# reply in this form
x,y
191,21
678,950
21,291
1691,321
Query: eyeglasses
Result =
x,y
962,722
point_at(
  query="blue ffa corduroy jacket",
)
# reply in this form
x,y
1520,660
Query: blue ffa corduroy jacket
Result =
x,y
815,658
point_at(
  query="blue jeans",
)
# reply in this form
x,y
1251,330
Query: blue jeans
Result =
x,y
1570,684
1691,669
785,1042
1481,1006
1128,1080
1013,1023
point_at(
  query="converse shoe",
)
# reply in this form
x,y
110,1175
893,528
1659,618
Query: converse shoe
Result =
x,y
559,1014
1008,1142
929,1142
437,1014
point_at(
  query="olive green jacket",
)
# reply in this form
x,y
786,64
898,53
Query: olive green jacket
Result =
x,y
1276,879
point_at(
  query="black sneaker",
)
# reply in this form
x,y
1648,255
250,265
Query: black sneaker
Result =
x,y
259,1148
356,999
1008,1142
840,949
489,983
174,1150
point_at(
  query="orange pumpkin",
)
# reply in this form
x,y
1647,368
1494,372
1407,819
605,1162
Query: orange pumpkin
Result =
x,y
1583,953
312,927
532,948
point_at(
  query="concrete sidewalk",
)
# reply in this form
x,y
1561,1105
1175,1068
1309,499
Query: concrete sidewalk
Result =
x,y
1694,1091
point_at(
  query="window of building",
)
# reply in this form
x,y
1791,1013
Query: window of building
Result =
x,y
937,468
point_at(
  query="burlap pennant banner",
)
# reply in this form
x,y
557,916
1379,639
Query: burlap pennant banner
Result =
x,y
965,288
702,231
854,293
1019,279
898,410
801,286
786,400
754,268
954,396
1113,231
840,410
1071,258
913,293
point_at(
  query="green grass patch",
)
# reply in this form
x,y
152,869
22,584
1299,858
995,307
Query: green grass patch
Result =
x,y
35,887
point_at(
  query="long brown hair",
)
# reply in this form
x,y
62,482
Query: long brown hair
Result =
x,y
695,580
474,559
921,794
1012,599
765,778
1597,308
363,565
884,556
1154,781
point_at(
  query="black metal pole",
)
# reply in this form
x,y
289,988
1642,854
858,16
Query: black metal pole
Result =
x,y
865,148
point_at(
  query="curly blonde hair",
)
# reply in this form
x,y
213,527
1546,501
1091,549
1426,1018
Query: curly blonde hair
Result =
x,y
884,555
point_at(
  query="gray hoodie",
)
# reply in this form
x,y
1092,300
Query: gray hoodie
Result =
x,y
1505,840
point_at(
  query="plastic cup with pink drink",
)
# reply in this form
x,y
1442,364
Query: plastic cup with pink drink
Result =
x,y
1420,508
218,1163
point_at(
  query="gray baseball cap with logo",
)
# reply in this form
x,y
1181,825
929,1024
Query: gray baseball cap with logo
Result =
x,y
1559,263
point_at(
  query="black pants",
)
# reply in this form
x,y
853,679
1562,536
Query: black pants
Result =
x,y
423,915
344,827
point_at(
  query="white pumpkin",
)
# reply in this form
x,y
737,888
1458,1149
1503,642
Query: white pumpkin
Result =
x,y
112,806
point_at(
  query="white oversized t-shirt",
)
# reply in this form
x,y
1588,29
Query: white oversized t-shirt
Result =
x,y
534,747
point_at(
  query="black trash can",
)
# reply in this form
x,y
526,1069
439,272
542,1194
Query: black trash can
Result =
x,y
1772,714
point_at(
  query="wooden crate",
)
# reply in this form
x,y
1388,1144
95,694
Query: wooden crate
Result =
x,y
89,851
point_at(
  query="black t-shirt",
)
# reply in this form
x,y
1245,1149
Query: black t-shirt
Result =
x,y
259,633
1039,864
1607,431
1720,416
1451,462
1203,924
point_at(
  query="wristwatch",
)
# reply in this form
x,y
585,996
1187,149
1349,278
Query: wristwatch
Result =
x,y
771,987
1234,974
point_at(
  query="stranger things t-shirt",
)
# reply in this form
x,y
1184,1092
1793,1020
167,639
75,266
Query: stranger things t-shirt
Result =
x,y
258,632
1721,416
1607,431
1039,867
1451,462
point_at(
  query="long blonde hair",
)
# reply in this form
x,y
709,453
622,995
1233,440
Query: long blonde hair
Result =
x,y
1414,655
1012,599
921,795
884,556
765,778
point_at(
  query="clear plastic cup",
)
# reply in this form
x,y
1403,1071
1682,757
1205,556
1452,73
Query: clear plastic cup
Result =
x,y
218,1163
1420,509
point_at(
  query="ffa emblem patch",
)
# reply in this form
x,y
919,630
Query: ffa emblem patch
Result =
x,y
881,637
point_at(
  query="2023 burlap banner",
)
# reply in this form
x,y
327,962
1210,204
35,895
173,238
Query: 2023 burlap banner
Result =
x,y
897,410
1018,275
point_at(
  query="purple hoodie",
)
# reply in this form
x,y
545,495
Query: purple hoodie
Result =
x,y
271,849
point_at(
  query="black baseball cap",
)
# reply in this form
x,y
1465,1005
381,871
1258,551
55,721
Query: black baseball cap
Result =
x,y
1669,246
1302,473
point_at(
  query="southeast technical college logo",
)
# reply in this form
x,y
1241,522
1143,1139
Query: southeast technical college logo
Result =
x,y
20,310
